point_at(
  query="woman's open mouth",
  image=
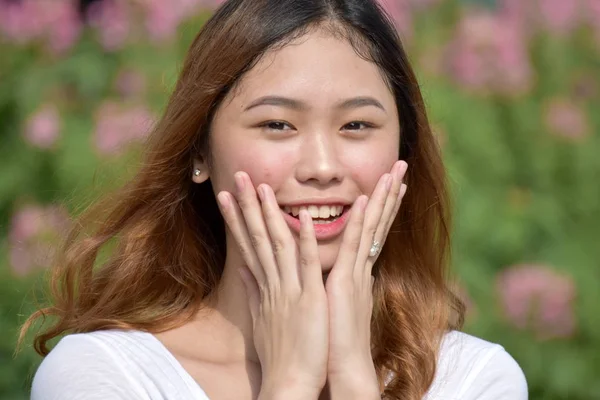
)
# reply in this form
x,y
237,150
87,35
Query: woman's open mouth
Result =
x,y
328,220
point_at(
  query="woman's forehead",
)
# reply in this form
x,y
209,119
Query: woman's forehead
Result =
x,y
315,64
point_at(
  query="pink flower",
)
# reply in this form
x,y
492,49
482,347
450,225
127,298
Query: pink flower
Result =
x,y
111,19
43,128
489,53
162,24
519,14
536,297
163,18
64,26
117,126
592,11
55,23
33,234
21,22
566,119
560,16
26,223
401,13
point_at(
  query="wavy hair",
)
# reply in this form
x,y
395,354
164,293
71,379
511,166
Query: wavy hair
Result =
x,y
169,236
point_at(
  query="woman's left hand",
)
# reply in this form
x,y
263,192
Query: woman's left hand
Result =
x,y
349,286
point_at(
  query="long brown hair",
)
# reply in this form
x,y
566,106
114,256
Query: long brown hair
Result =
x,y
169,234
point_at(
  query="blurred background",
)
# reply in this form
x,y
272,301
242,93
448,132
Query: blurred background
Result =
x,y
513,89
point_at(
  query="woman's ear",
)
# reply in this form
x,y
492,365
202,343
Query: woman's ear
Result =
x,y
200,171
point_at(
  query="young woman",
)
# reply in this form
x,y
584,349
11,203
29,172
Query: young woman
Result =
x,y
286,237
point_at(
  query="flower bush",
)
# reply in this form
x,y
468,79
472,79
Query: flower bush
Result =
x,y
513,92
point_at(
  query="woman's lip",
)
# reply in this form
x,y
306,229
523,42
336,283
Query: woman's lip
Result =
x,y
305,204
322,231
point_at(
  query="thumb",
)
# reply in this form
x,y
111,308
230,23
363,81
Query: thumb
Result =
x,y
251,288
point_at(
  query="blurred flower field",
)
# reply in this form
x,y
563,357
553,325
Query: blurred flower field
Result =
x,y
513,89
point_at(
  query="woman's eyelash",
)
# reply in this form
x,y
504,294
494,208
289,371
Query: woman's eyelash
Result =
x,y
278,125
270,125
366,124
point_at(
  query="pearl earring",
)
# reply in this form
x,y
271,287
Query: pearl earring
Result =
x,y
197,172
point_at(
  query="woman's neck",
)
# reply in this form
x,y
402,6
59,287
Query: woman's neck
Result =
x,y
226,319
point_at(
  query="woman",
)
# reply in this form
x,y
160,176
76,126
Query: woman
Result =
x,y
250,258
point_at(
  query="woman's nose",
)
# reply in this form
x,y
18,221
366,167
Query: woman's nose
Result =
x,y
319,161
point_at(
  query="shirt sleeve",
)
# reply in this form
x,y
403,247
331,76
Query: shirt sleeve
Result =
x,y
81,367
501,378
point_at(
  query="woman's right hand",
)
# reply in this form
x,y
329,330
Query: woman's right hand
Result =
x,y
285,288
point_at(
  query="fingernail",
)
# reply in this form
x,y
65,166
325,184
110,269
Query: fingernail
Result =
x,y
403,188
239,181
305,217
223,200
401,170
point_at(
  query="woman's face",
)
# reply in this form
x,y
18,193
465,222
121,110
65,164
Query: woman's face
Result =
x,y
315,122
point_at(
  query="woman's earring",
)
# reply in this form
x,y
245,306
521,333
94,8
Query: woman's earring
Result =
x,y
197,172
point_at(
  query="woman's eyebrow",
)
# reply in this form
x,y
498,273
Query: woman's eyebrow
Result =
x,y
299,105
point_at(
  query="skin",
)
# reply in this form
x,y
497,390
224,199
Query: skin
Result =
x,y
304,332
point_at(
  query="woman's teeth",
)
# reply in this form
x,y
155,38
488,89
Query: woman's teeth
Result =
x,y
321,212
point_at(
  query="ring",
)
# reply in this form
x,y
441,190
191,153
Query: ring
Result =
x,y
375,248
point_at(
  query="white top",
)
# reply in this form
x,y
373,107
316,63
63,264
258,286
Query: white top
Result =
x,y
134,365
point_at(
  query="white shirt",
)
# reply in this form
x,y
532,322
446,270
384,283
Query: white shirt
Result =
x,y
134,365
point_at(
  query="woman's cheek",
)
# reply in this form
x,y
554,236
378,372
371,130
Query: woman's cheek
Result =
x,y
265,165
367,167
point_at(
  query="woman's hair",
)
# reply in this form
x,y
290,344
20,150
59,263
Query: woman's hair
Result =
x,y
169,236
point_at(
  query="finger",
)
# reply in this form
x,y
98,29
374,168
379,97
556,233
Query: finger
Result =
x,y
259,236
397,206
373,214
236,224
309,262
351,240
252,291
393,202
282,241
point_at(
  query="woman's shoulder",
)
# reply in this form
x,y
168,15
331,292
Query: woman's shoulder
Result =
x,y
473,368
87,365
110,364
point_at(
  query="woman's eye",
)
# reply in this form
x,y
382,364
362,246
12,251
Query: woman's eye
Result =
x,y
284,126
276,125
357,125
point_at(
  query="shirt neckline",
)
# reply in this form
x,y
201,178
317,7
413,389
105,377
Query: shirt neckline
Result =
x,y
190,382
